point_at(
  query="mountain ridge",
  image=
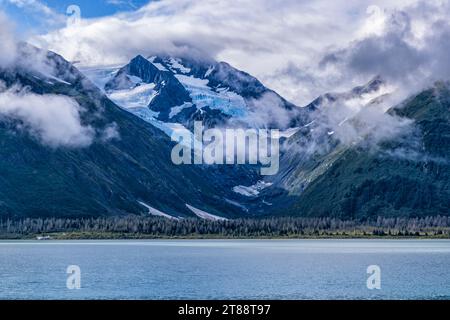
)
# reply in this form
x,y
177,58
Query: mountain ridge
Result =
x,y
130,171
402,177
106,178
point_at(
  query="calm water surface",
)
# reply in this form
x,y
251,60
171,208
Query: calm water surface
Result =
x,y
225,269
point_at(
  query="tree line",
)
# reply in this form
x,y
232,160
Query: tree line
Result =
x,y
283,227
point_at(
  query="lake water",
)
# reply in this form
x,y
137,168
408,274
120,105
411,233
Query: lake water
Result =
x,y
225,269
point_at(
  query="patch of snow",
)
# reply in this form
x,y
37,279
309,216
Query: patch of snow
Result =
x,y
288,132
209,71
160,66
307,125
330,133
234,203
52,77
176,110
137,97
62,81
205,215
190,81
156,64
156,212
176,64
252,191
342,122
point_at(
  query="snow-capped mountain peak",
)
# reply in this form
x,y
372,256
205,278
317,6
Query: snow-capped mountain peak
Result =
x,y
167,90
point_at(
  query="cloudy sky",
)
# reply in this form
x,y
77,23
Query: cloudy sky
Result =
x,y
299,48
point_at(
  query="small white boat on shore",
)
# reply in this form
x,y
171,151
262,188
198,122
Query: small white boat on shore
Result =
x,y
43,238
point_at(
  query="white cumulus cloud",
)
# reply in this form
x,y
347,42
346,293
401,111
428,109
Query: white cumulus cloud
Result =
x,y
53,120
258,36
7,42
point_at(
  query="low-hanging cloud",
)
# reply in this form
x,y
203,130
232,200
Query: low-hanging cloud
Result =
x,y
7,42
53,120
268,111
356,121
349,119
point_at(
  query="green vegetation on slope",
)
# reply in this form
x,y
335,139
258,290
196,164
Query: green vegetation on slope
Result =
x,y
409,176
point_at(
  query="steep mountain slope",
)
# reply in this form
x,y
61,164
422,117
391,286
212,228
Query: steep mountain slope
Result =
x,y
125,167
312,149
165,93
171,90
406,176
369,91
110,176
308,151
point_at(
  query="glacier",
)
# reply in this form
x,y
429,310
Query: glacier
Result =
x,y
222,99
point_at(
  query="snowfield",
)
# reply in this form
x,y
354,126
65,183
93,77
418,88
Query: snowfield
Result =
x,y
176,66
157,65
156,212
137,97
205,215
252,191
176,110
